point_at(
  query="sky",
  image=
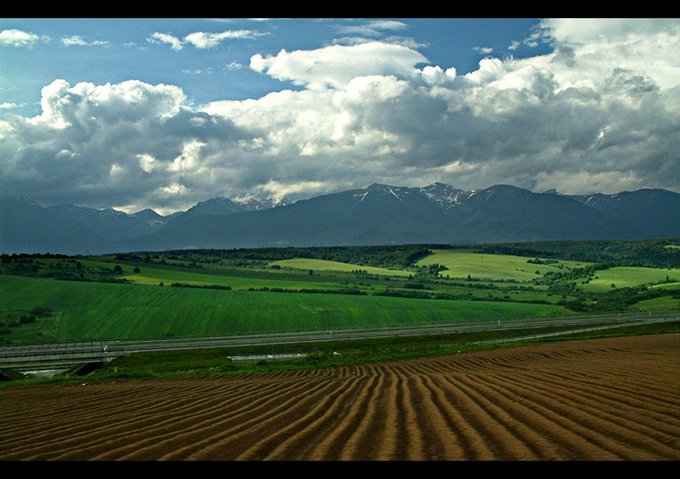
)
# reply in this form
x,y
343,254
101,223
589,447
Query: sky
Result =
x,y
163,113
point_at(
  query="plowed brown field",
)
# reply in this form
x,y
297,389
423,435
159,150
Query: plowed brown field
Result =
x,y
605,399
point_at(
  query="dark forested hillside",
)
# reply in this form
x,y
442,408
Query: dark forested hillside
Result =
x,y
653,253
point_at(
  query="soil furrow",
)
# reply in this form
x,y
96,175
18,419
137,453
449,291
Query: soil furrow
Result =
x,y
442,442
230,420
508,428
88,418
603,399
131,429
410,441
474,418
238,434
620,423
374,423
471,438
337,442
561,427
149,425
306,425
654,407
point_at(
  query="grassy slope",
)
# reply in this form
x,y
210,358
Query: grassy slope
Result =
x,y
324,265
91,310
628,276
102,310
461,263
146,310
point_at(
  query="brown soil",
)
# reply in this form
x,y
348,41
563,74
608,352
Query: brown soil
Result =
x,y
605,399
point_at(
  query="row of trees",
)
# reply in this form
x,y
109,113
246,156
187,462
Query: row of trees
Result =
x,y
656,253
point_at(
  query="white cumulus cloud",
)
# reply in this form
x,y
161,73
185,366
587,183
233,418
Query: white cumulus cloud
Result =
x,y
601,112
201,40
334,66
18,38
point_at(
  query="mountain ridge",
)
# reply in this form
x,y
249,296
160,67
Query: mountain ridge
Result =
x,y
378,214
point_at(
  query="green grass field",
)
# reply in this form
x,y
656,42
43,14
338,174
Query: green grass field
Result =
x,y
48,299
91,311
151,275
630,276
88,302
307,264
494,267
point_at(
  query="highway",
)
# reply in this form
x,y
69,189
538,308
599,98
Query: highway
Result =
x,y
60,356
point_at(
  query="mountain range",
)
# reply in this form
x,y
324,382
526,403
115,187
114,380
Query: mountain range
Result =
x,y
376,215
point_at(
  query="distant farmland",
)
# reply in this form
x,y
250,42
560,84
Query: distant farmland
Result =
x,y
413,398
461,263
99,310
213,292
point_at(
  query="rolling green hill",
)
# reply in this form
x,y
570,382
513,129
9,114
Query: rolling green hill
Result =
x,y
463,263
92,311
226,292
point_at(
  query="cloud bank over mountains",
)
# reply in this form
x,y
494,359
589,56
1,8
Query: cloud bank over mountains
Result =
x,y
600,113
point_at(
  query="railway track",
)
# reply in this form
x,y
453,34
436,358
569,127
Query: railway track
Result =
x,y
67,355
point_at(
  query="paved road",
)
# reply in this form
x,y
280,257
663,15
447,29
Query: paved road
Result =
x,y
63,355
